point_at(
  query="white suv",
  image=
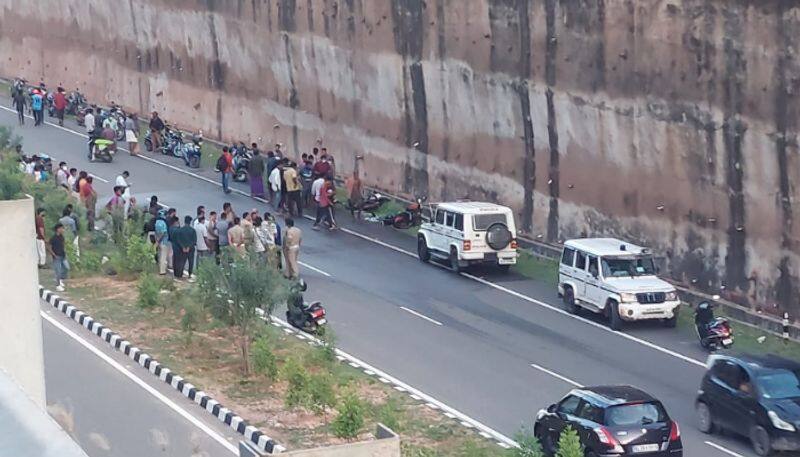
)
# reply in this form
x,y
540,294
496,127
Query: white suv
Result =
x,y
616,279
465,233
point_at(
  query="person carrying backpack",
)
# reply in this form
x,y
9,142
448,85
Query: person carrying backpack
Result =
x,y
225,166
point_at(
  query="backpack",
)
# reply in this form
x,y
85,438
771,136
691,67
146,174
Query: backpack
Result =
x,y
222,163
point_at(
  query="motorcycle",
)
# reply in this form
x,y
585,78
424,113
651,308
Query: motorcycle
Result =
x,y
410,217
172,140
75,102
241,162
370,205
120,117
304,316
102,149
714,332
192,151
148,141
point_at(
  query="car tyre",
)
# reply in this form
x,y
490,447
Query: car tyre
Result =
x,y
422,250
615,321
759,438
705,420
455,265
569,301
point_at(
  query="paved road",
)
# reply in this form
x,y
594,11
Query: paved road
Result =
x,y
111,413
478,339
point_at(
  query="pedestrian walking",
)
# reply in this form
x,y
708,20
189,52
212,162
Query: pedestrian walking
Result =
x,y
255,173
59,254
37,106
156,127
70,222
291,249
41,248
225,166
162,238
20,102
131,134
294,202
60,105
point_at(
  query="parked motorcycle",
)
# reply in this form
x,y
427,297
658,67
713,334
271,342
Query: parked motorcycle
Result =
x,y
102,149
75,102
148,141
714,332
307,317
241,162
192,151
172,140
410,217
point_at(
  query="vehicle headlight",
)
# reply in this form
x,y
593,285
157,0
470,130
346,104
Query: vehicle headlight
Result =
x,y
780,423
626,297
672,296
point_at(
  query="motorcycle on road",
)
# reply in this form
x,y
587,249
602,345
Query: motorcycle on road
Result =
x,y
714,332
410,217
311,317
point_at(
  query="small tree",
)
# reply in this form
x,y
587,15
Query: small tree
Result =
x,y
237,290
529,445
569,444
350,420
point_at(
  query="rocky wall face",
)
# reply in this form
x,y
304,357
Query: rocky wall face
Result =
x,y
671,123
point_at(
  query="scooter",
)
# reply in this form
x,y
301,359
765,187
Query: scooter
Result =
x,y
75,102
173,142
714,332
102,149
241,162
369,205
307,317
192,151
411,217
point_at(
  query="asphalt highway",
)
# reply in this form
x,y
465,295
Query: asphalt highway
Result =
x,y
497,348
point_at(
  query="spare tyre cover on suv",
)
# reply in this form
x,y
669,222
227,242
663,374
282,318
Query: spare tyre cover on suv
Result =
x,y
498,236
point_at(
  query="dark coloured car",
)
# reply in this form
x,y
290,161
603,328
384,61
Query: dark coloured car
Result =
x,y
756,397
611,421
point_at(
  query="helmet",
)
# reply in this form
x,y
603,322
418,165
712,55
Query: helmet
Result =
x,y
162,213
301,285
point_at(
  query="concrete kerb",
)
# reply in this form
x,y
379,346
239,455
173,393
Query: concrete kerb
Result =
x,y
224,415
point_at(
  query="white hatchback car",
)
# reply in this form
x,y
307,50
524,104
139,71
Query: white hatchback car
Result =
x,y
616,279
465,233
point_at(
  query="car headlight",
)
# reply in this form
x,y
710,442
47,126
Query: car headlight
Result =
x,y
626,297
780,423
671,296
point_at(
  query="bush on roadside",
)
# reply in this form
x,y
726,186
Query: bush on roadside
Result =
x,y
327,350
529,446
320,393
297,377
264,361
11,180
389,414
569,444
149,289
139,254
350,420
191,317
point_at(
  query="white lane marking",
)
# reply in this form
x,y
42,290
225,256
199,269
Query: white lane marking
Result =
x,y
148,388
98,178
415,393
723,449
556,375
314,269
421,316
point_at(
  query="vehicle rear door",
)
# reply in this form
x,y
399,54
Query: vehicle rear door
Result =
x,y
594,282
436,236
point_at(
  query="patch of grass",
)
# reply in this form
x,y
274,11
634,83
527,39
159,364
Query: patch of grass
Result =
x,y
538,268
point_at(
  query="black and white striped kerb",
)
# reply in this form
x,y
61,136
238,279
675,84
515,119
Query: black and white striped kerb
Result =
x,y
255,436
785,327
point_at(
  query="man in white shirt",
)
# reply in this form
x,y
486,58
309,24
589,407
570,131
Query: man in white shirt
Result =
x,y
201,229
88,122
316,187
122,181
72,179
62,175
275,185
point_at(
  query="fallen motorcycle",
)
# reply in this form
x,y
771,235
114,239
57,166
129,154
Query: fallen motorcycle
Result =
x,y
410,217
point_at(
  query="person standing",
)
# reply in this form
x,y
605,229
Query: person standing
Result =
x,y
37,106
255,173
41,247
275,187
293,189
291,249
122,181
131,136
326,201
58,251
212,238
156,127
354,191
201,232
70,221
249,230
272,162
162,238
236,236
184,249
60,105
62,175
20,102
225,166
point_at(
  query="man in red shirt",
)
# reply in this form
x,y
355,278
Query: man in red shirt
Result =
x,y
60,105
41,247
225,166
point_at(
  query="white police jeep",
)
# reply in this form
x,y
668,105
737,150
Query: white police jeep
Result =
x,y
465,233
616,279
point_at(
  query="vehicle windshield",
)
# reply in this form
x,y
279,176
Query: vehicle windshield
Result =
x,y
615,267
779,384
635,414
483,221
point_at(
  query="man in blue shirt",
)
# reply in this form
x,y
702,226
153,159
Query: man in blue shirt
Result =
x,y
164,245
37,106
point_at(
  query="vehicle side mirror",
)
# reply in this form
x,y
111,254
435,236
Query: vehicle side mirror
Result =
x,y
551,409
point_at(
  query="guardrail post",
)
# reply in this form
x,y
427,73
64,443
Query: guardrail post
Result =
x,y
785,328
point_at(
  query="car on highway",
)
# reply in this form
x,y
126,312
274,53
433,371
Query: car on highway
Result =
x,y
757,397
611,421
616,279
467,233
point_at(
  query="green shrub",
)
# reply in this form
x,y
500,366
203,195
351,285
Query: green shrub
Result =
x,y
569,444
320,393
350,420
192,317
529,446
296,375
11,180
264,360
149,288
327,350
139,254
389,413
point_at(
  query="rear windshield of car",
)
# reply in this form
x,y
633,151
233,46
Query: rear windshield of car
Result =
x,y
635,414
779,384
483,221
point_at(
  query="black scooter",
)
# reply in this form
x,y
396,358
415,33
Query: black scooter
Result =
x,y
307,317
410,217
369,205
714,332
